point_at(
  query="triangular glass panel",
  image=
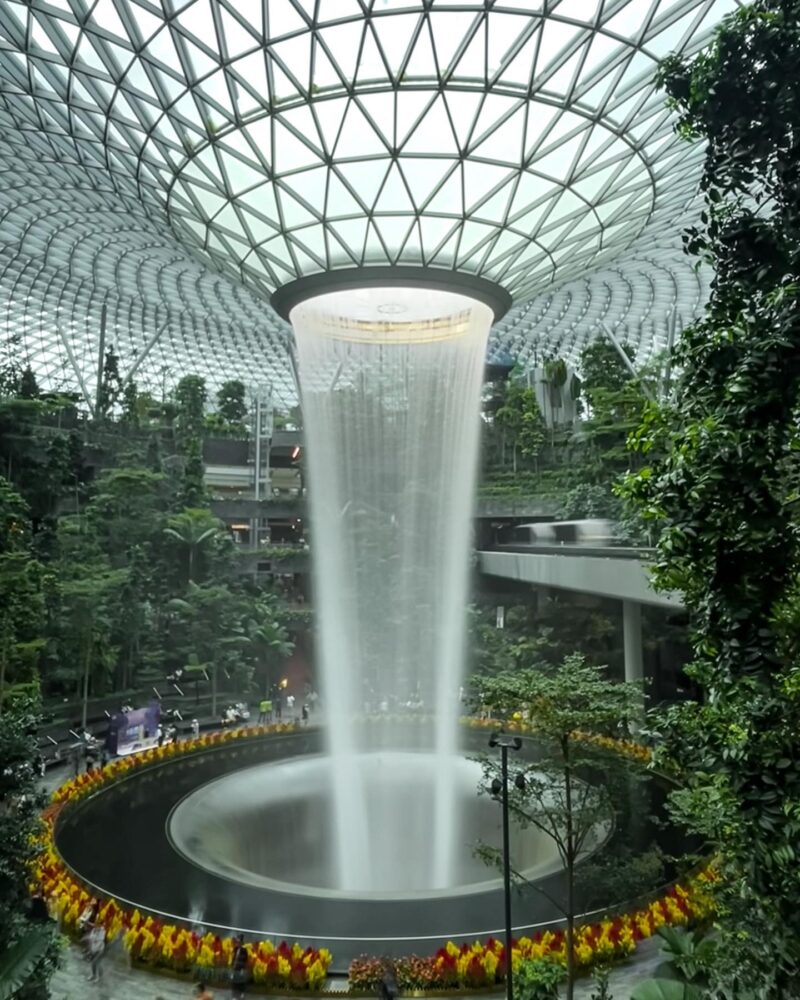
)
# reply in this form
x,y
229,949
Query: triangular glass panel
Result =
x,y
494,107
394,230
503,32
239,37
505,141
449,199
240,175
519,69
201,64
423,175
433,135
263,201
342,42
371,67
339,254
412,250
292,212
494,208
374,250
294,56
310,185
421,65
450,30
289,153
329,116
105,15
352,233
446,255
542,122
394,34
312,240
561,80
282,18
558,163
479,180
472,64
283,88
259,136
365,178
473,236
357,138
339,200
435,231
258,229
393,196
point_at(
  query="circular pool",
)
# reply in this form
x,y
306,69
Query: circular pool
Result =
x,y
236,838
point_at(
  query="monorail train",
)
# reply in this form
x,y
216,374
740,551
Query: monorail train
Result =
x,y
591,531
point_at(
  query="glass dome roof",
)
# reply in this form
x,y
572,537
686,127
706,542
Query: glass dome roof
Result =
x,y
178,161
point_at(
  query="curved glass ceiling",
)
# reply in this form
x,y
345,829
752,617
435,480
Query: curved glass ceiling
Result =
x,y
178,161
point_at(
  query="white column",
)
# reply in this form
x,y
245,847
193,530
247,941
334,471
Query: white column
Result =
x,y
632,640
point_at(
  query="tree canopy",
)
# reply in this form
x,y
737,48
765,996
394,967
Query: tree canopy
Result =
x,y
723,485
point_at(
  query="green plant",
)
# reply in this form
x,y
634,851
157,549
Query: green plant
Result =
x,y
721,479
555,798
684,974
602,991
537,980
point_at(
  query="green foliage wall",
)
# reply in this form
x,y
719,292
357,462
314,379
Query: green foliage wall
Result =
x,y
725,490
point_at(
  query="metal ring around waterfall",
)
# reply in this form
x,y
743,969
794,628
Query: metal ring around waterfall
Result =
x,y
285,298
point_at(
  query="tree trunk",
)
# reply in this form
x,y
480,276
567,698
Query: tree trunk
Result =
x,y
214,668
3,664
86,668
570,872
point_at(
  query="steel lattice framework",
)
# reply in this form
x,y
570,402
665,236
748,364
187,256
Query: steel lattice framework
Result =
x,y
177,161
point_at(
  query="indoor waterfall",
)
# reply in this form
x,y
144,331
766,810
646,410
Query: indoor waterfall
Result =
x,y
391,382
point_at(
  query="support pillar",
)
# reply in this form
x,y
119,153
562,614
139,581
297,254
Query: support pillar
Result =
x,y
632,640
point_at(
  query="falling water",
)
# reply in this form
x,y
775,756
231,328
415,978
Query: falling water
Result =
x,y
390,384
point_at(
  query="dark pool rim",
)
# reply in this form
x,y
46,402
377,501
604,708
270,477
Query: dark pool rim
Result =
x,y
384,943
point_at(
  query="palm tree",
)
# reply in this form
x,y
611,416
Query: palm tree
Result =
x,y
271,642
195,530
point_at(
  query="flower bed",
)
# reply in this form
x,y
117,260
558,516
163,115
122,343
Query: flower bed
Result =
x,y
482,965
148,941
285,967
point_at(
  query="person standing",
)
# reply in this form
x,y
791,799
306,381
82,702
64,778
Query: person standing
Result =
x,y
239,968
95,949
290,706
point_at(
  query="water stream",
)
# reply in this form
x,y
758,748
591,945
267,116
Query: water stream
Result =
x,y
390,385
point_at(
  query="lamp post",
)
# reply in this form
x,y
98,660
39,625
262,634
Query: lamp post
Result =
x,y
500,787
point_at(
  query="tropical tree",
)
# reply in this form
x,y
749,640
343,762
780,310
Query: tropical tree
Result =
x,y
190,398
111,390
520,420
723,486
231,402
192,492
21,607
195,530
210,630
556,793
29,949
270,640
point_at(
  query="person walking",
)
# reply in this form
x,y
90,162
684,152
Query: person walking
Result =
x,y
290,706
239,968
95,949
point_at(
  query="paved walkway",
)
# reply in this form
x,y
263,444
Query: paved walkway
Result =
x,y
120,982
